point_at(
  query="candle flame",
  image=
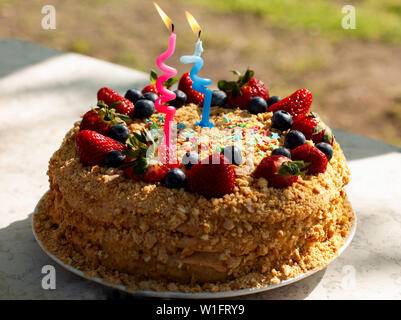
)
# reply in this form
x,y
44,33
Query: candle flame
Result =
x,y
167,21
193,23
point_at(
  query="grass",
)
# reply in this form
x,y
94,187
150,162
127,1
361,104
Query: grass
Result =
x,y
375,20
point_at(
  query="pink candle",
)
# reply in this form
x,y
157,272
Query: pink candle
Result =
x,y
165,94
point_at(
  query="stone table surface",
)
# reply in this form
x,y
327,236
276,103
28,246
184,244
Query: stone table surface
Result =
x,y
43,91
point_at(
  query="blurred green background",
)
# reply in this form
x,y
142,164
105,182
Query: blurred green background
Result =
x,y
354,75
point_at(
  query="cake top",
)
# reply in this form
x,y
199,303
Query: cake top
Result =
x,y
255,135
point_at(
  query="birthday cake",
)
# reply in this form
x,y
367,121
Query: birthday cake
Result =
x,y
254,200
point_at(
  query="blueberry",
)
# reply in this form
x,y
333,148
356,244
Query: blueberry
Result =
x,y
144,108
294,139
150,96
134,95
175,179
281,120
282,151
189,159
180,99
273,100
257,105
114,159
233,154
219,98
326,148
119,132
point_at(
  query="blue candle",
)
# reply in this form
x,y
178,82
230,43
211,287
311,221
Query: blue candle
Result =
x,y
199,84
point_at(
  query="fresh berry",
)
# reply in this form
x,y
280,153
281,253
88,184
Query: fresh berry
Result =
x,y
114,159
233,154
282,151
294,139
110,97
281,120
296,105
144,109
309,154
212,177
141,161
257,105
190,159
92,147
219,98
155,171
326,148
175,179
279,170
185,85
180,99
150,88
240,92
92,120
133,95
119,132
314,128
150,96
272,100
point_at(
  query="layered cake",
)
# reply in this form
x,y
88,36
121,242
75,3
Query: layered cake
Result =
x,y
255,200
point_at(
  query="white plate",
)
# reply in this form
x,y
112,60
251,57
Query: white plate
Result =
x,y
203,295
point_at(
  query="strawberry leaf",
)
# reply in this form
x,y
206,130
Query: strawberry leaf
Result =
x,y
153,76
293,168
169,82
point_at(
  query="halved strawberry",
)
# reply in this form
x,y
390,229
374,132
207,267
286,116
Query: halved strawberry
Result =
x,y
297,104
279,170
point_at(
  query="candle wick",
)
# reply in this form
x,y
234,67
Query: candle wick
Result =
x,y
199,34
172,27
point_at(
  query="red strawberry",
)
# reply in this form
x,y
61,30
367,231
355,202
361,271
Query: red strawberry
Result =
x,y
185,85
150,88
212,177
297,104
244,89
92,147
93,121
109,96
313,128
156,171
316,158
279,170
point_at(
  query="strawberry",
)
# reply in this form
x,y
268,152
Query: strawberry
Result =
x,y
279,170
141,162
297,104
240,92
110,97
152,86
185,85
316,158
212,177
314,128
92,147
92,120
